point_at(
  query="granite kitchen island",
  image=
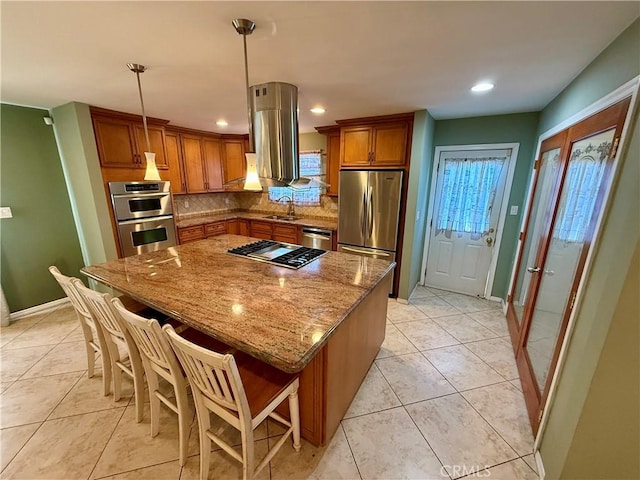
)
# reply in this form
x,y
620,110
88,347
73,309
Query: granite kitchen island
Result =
x,y
326,320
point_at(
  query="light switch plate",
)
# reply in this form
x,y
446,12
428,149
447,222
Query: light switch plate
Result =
x,y
514,210
5,212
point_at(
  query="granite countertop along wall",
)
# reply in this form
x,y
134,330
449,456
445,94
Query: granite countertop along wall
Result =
x,y
198,209
278,315
202,218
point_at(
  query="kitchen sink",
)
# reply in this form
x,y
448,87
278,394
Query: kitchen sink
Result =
x,y
281,217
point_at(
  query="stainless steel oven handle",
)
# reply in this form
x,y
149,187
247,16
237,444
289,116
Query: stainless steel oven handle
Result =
x,y
146,220
141,196
365,252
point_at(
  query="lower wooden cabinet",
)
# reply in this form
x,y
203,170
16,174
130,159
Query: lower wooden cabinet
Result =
x,y
280,232
261,229
285,233
238,226
190,234
215,229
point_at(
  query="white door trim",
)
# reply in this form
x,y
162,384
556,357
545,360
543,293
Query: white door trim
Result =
x,y
503,205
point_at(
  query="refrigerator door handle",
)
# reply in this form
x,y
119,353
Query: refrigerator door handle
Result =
x,y
370,213
365,252
363,220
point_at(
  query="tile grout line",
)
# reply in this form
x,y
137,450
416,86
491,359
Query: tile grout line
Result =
x,y
494,428
427,441
107,443
355,462
24,444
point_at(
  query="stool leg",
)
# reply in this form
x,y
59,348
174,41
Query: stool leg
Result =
x,y
294,410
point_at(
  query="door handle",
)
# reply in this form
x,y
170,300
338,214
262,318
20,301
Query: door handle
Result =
x,y
365,252
489,241
370,212
533,269
363,220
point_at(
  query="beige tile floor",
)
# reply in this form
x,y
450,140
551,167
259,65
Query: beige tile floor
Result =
x,y
441,400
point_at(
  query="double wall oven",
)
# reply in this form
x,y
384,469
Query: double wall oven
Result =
x,y
144,216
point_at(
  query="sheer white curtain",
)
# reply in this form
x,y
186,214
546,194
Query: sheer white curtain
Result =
x,y
582,184
467,195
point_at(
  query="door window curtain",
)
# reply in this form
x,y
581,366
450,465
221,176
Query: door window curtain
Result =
x,y
468,191
583,182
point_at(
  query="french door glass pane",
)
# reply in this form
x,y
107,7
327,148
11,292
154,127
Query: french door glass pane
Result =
x,y
576,212
541,209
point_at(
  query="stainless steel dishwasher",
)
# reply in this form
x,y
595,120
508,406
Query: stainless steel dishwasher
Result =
x,y
317,238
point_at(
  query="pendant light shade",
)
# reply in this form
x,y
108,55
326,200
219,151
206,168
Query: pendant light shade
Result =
x,y
252,181
151,172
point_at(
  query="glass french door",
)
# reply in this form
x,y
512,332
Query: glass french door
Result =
x,y
571,181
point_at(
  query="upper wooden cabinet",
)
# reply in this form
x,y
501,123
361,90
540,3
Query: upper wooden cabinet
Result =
x,y
333,158
121,141
175,174
235,165
195,161
373,142
383,145
212,155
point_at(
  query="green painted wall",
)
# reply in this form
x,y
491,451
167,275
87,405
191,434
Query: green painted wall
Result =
x,y
514,128
611,407
79,155
570,414
417,197
42,231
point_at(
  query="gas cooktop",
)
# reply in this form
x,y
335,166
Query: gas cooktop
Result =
x,y
278,253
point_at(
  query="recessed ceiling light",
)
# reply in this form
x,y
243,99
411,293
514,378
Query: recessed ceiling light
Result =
x,y
482,87
222,123
318,110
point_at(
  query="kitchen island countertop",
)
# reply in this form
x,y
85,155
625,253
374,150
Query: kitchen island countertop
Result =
x,y
278,315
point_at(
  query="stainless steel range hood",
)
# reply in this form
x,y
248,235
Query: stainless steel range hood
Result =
x,y
275,130
273,125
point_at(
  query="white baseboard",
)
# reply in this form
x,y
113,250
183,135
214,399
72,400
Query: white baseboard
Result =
x,y
45,307
539,464
402,300
494,299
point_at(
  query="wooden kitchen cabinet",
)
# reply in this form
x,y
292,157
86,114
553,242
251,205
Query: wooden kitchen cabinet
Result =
x,y
383,145
235,164
284,233
202,158
215,229
190,234
193,163
333,158
238,226
174,161
261,229
121,141
212,150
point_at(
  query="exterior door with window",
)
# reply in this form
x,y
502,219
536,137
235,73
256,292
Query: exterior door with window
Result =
x,y
468,197
570,189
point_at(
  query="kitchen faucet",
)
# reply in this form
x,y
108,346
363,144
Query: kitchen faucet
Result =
x,y
291,212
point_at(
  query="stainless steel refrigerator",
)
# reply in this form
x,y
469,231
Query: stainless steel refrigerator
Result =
x,y
369,210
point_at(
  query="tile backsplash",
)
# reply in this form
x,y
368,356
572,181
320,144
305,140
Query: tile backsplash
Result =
x,y
259,202
198,204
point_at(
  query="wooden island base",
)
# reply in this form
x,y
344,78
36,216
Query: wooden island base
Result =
x,y
331,380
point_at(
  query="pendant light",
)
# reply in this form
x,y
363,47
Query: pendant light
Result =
x,y
245,27
151,173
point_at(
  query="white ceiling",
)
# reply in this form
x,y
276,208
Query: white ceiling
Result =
x,y
354,58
